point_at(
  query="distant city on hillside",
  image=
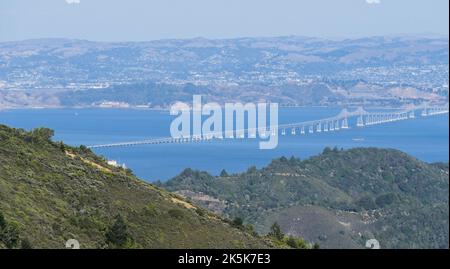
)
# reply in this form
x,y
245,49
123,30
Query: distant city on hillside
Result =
x,y
293,70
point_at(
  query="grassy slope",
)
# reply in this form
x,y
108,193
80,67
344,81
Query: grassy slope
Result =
x,y
53,193
361,193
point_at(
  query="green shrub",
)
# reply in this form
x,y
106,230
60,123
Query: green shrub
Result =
x,y
238,222
25,244
117,235
385,199
296,243
223,173
275,232
9,234
176,213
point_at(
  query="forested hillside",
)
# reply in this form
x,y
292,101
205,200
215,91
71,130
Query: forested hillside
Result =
x,y
338,199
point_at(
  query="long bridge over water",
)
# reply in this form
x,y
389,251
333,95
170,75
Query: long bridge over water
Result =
x,y
332,124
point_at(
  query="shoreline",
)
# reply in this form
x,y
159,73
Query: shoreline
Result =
x,y
168,108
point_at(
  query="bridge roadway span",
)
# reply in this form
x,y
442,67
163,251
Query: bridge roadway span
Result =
x,y
338,122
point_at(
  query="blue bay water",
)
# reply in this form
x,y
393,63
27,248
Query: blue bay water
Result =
x,y
424,138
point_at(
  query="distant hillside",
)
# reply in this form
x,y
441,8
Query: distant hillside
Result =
x,y
50,192
292,70
338,199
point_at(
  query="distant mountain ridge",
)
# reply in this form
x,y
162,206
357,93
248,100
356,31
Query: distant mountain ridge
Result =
x,y
282,69
338,199
85,59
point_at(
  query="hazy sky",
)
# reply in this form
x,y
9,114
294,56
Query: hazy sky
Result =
x,y
133,20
